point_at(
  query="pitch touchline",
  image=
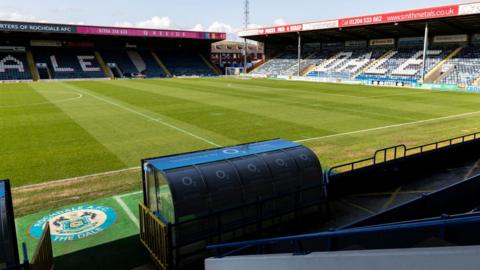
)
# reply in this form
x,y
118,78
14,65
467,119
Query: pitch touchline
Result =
x,y
63,181
129,194
149,117
388,127
127,210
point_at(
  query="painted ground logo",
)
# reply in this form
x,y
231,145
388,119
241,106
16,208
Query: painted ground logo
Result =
x,y
76,223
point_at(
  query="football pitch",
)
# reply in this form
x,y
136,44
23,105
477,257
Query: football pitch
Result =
x,y
61,130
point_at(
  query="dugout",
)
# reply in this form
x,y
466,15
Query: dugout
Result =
x,y
210,196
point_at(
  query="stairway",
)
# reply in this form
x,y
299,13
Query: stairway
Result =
x,y
32,66
137,60
161,64
436,72
376,62
477,81
102,64
209,64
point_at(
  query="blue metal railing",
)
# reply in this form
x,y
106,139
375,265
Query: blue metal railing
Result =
x,y
393,153
435,224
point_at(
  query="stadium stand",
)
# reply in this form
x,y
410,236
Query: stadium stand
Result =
x,y
404,64
401,64
120,63
152,68
68,63
313,59
463,68
14,66
185,63
279,65
345,64
381,49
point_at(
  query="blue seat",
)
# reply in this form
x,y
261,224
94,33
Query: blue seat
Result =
x,y
183,63
69,63
14,66
121,59
153,69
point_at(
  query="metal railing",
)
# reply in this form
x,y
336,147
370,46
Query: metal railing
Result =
x,y
437,225
400,151
43,256
154,235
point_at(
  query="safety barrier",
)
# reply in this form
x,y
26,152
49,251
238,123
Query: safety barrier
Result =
x,y
43,256
462,197
435,226
400,151
154,235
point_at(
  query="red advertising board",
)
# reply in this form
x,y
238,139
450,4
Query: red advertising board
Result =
x,y
411,15
393,17
131,32
281,29
10,26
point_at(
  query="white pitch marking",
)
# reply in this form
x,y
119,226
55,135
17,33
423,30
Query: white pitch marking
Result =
x,y
127,210
401,94
130,194
390,126
64,181
150,118
321,92
44,103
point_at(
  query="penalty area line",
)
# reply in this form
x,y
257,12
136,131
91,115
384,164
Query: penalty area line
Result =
x,y
390,126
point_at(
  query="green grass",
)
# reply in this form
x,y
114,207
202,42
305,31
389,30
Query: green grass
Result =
x,y
59,130
119,244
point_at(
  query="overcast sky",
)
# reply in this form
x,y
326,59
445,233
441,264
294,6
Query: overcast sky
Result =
x,y
207,15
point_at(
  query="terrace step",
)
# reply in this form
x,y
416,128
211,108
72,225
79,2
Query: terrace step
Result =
x,y
373,63
161,64
104,67
31,65
210,65
435,73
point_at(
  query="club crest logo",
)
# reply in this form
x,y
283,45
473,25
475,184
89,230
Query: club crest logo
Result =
x,y
75,223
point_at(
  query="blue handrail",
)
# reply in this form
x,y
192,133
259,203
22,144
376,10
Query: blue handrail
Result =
x,y
442,222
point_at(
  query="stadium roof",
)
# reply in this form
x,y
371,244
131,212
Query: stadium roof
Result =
x,y
70,29
444,20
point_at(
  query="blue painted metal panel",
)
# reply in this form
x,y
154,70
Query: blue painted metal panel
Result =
x,y
183,160
2,189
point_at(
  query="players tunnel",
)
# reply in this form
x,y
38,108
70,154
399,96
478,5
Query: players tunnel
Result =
x,y
228,193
